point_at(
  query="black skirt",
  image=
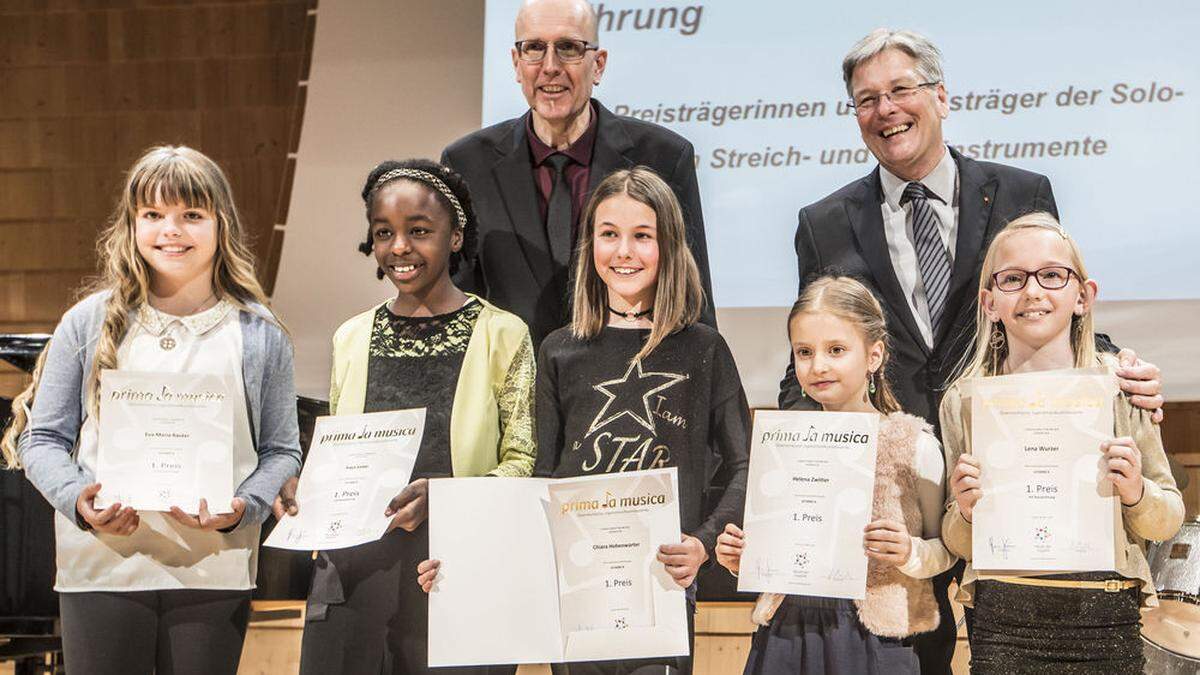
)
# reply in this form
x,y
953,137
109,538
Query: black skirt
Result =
x,y
1067,631
824,636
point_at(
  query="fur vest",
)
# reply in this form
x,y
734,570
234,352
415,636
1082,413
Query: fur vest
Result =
x,y
896,605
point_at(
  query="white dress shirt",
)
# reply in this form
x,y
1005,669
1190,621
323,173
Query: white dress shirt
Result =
x,y
897,226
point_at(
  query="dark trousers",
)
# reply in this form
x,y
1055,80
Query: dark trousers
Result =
x,y
175,632
935,649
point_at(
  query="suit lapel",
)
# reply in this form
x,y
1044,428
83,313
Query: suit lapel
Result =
x,y
862,210
513,172
976,194
612,142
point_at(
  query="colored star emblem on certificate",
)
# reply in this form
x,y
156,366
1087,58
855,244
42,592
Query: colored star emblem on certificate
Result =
x,y
630,395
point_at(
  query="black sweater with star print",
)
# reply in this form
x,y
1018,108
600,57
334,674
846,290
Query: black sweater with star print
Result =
x,y
681,406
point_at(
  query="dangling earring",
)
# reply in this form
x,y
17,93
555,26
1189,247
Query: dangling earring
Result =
x,y
871,382
803,394
996,341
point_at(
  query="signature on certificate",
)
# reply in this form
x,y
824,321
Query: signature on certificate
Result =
x,y
1000,547
838,574
766,571
1080,546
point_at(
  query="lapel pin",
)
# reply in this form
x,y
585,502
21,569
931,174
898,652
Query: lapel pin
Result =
x,y
987,200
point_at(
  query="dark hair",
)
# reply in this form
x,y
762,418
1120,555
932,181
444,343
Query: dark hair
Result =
x,y
457,185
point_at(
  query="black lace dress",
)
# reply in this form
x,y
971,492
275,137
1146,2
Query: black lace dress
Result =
x,y
382,624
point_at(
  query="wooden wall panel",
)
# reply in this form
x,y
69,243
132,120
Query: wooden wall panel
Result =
x,y
88,85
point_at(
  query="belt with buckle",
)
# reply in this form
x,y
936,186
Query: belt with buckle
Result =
x,y
1107,585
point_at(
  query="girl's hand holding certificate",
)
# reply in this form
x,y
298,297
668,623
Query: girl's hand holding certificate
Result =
x,y
112,520
206,521
964,484
1124,463
285,502
683,560
730,544
887,541
409,508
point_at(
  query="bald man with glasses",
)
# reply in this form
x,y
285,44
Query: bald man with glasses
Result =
x,y
530,176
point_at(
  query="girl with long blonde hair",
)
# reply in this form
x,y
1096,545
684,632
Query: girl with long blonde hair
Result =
x,y
160,592
1035,314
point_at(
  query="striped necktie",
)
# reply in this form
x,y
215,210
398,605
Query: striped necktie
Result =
x,y
932,257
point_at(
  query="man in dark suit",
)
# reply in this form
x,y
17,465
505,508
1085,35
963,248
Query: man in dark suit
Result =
x,y
915,231
530,176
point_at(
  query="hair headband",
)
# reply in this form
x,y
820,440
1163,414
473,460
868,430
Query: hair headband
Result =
x,y
430,180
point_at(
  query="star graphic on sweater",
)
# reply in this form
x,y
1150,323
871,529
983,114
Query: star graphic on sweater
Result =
x,y
630,395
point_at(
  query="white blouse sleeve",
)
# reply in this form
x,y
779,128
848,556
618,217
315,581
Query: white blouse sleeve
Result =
x,y
929,556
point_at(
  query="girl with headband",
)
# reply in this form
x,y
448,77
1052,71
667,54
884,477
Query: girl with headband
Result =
x,y
432,346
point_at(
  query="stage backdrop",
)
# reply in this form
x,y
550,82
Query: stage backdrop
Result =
x,y
1106,108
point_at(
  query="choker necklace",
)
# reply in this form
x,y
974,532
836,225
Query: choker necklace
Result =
x,y
631,316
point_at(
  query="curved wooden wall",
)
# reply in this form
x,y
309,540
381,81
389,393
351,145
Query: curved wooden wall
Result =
x,y
87,85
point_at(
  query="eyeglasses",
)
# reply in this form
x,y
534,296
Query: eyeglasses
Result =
x,y
566,49
1050,278
897,95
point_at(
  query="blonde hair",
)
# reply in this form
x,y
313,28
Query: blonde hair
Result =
x,y
164,175
987,355
678,298
848,299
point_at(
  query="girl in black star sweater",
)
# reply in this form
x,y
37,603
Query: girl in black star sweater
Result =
x,y
634,382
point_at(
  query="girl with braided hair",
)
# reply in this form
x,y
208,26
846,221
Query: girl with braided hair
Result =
x,y
160,592
432,346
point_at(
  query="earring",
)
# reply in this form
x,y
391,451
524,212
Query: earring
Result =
x,y
379,273
803,394
871,382
996,341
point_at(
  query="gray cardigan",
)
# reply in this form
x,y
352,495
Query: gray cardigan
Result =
x,y
48,444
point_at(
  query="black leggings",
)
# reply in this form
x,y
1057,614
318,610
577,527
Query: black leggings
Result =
x,y
174,632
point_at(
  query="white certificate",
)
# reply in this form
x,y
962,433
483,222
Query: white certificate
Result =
x,y
808,499
542,571
356,465
1045,506
166,439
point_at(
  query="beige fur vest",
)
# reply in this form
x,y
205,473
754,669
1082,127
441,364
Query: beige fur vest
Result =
x,y
896,605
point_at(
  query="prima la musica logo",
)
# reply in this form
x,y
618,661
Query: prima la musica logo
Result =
x,y
367,434
165,395
611,501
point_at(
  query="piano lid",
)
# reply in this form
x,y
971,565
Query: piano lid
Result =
x,y
22,350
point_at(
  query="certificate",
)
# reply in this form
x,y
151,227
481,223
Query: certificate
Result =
x,y
1045,506
573,558
356,465
166,439
808,498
